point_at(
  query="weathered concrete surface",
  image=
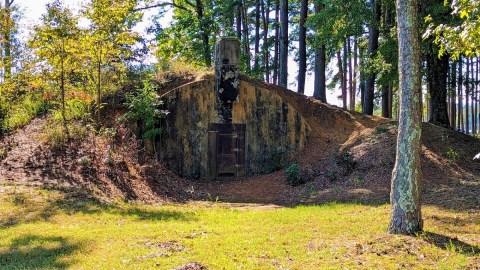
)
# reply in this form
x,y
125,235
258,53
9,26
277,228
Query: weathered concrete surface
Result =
x,y
275,131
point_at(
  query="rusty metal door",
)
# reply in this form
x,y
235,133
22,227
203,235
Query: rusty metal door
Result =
x,y
226,150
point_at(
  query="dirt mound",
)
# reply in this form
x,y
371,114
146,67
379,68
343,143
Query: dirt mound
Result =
x,y
349,157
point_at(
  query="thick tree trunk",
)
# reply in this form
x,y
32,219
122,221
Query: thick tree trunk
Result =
x,y
472,90
362,78
405,195
277,42
266,54
283,59
386,102
319,90
372,50
342,80
302,47
437,73
256,65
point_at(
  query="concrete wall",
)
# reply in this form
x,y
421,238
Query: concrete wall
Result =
x,y
275,131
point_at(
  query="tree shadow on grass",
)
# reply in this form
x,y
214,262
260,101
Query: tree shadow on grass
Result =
x,y
450,244
73,202
38,252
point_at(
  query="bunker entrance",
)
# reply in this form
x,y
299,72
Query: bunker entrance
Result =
x,y
226,150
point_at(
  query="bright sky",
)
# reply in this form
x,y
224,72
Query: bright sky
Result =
x,y
33,9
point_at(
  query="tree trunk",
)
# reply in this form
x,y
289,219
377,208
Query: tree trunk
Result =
x,y
467,93
246,42
302,47
437,73
256,65
372,50
266,53
453,84
342,81
7,68
386,112
319,90
239,21
283,59
362,78
350,76
472,90
460,95
405,195
207,55
355,66
277,42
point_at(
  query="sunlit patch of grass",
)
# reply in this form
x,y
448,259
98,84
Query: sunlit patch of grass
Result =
x,y
49,229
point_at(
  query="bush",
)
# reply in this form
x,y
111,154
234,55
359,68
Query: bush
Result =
x,y
345,161
21,113
144,106
293,175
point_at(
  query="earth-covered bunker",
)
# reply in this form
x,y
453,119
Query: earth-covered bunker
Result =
x,y
227,127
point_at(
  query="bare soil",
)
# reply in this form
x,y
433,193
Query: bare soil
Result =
x,y
348,158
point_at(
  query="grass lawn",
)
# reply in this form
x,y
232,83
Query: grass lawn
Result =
x,y
42,229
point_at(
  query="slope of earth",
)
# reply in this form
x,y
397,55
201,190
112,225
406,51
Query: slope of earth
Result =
x,y
349,158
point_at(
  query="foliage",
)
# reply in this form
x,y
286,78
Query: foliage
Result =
x,y
461,38
452,154
144,106
293,175
54,133
345,161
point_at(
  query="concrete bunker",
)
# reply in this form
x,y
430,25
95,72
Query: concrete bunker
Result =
x,y
228,127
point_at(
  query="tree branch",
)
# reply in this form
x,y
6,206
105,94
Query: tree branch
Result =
x,y
161,5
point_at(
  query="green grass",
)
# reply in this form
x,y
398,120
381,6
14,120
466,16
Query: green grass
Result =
x,y
41,229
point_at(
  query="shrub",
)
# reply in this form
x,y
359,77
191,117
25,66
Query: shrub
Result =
x,y
345,161
452,154
293,175
144,106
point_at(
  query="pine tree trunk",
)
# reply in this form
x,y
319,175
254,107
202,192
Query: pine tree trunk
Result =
x,y
472,89
350,76
355,67
7,68
302,47
256,65
319,90
246,42
467,100
239,21
342,81
437,73
266,53
207,55
405,195
277,42
453,97
461,124
283,47
372,50
362,78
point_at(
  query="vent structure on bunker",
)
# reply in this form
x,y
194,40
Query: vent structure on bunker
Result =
x,y
227,127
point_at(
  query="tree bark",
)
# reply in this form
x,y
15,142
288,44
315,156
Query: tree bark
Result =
x,y
319,90
386,94
461,124
246,42
256,58
239,21
302,47
405,194
342,81
355,66
277,42
453,84
266,53
437,73
350,76
283,57
372,50
207,55
7,68
467,93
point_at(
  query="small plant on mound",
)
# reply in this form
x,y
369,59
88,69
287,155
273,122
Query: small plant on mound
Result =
x,y
345,161
293,174
144,106
452,154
